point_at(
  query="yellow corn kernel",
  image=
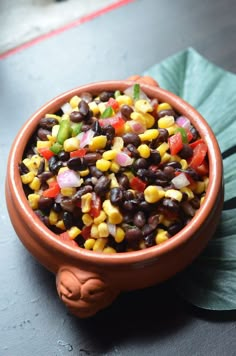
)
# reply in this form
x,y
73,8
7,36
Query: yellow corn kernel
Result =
x,y
33,200
171,130
149,135
152,194
124,100
161,236
73,232
71,144
98,143
94,107
115,167
109,250
184,163
89,243
187,191
33,163
103,230
164,106
74,101
86,202
68,191
144,150
202,200
27,177
53,217
113,213
53,116
43,144
175,158
114,183
26,162
94,231
149,120
109,155
163,148
143,106
52,139
166,121
127,127
129,174
139,117
102,107
174,194
165,158
100,218
87,219
35,184
200,187
99,245
62,169
142,245
103,165
206,180
60,224
118,143
166,222
120,235
84,173
55,130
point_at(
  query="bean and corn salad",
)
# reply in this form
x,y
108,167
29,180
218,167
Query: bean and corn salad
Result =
x,y
115,172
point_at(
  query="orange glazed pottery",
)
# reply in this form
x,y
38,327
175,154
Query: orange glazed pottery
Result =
x,y
88,281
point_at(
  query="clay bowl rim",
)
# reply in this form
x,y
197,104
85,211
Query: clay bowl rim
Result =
x,y
48,239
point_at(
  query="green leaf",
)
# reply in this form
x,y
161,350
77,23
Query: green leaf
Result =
x,y
136,91
210,282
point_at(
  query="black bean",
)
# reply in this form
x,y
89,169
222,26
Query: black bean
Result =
x,y
170,204
162,137
169,172
133,235
126,111
149,240
194,132
133,150
106,95
161,182
91,158
187,208
123,181
57,207
186,152
153,221
109,131
67,219
86,96
67,204
83,108
23,169
128,195
97,128
116,196
45,203
147,229
145,206
130,205
139,219
48,123
81,191
173,164
102,186
131,138
43,133
174,228
155,157
140,163
143,174
195,202
193,174
45,176
76,164
95,172
63,156
85,128
41,167
76,116
169,112
54,168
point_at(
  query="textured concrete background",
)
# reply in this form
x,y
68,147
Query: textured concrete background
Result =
x,y
23,20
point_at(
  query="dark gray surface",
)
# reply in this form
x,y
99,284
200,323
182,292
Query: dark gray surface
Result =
x,y
154,321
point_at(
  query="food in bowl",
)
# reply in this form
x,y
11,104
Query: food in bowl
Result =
x,y
116,171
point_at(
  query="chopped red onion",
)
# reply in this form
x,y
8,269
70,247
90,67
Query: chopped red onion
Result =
x,y
184,122
130,92
180,181
123,159
136,127
66,108
68,179
85,137
112,229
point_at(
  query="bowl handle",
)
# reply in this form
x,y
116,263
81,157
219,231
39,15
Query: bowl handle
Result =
x,y
83,292
145,79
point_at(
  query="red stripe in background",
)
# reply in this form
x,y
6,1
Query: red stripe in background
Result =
x,y
70,25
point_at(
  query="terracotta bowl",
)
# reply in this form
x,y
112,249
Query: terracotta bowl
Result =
x,y
88,281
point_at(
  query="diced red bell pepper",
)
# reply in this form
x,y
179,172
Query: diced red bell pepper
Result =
x,y
65,237
137,184
199,154
52,191
113,103
81,152
195,143
116,121
189,135
95,205
203,169
46,152
175,143
86,232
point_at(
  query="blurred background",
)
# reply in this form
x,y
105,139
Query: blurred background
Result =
x,y
24,20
